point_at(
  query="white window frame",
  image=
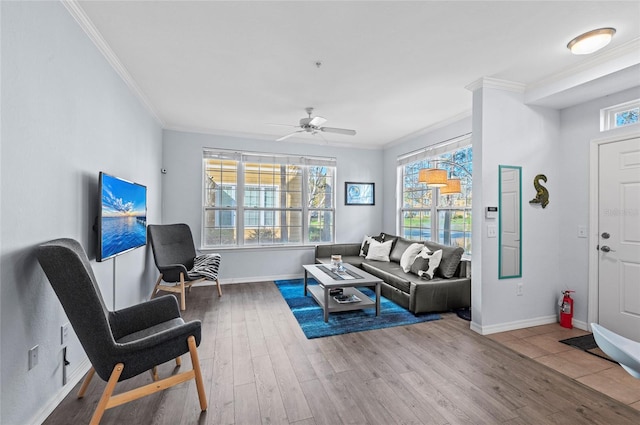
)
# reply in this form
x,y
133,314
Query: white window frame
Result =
x,y
608,115
242,158
429,153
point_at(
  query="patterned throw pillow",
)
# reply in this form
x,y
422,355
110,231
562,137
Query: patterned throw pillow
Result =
x,y
426,263
409,255
364,247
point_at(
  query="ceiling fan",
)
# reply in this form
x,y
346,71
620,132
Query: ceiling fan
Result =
x,y
313,126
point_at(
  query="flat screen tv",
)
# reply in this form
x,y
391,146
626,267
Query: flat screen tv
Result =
x,y
122,219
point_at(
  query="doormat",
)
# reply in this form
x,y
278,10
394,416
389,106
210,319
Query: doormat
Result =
x,y
311,318
588,344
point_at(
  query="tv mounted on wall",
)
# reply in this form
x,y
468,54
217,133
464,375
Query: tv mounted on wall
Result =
x,y
122,219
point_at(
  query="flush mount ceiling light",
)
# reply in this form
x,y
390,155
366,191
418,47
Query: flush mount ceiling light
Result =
x,y
591,41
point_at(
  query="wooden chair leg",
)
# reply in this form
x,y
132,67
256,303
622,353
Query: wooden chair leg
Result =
x,y
178,361
183,302
155,288
154,373
202,396
85,384
106,395
219,288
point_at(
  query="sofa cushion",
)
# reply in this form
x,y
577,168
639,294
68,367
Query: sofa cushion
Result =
x,y
379,251
364,248
426,263
389,272
399,247
451,256
408,256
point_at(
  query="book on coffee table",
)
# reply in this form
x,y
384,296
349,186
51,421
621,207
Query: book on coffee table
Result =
x,y
346,299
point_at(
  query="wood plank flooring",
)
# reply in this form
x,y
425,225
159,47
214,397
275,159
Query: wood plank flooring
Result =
x,y
259,368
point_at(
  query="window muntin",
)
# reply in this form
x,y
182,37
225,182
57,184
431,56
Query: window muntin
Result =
x,y
620,115
266,192
425,214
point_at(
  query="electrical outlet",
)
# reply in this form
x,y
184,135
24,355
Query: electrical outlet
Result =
x,y
64,333
520,289
33,357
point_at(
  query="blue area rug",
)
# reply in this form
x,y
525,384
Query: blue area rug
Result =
x,y
311,320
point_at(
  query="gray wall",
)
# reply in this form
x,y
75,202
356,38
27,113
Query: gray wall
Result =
x,y
66,115
182,199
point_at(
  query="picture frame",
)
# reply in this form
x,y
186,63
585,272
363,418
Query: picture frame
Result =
x,y
358,193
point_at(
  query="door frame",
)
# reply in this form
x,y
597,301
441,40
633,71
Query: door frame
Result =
x,y
593,313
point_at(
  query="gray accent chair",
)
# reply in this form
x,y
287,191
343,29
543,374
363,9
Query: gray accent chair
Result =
x,y
124,343
174,254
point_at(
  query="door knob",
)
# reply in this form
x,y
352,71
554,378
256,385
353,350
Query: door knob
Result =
x,y
605,248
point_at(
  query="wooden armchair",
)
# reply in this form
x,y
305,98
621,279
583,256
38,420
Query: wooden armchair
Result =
x,y
175,257
120,344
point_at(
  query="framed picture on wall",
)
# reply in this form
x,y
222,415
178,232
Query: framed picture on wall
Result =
x,y
359,193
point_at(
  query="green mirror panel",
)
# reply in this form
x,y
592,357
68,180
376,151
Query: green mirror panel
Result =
x,y
510,222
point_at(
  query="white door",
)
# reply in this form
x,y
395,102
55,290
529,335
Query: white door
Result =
x,y
619,237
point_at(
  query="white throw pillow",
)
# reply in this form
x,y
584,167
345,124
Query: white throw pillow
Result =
x,y
409,255
379,251
433,258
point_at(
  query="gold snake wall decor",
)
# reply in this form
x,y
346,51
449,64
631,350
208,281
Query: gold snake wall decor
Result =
x,y
542,194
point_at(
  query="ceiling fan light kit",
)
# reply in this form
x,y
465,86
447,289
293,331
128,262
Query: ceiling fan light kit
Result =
x,y
313,125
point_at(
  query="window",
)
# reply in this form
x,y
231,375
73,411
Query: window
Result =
x,y
253,199
619,115
427,214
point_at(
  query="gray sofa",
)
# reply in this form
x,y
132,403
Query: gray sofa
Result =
x,y
450,288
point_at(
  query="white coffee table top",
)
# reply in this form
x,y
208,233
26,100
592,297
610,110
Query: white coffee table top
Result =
x,y
316,270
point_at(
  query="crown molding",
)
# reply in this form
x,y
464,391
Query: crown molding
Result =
x,y
496,83
429,129
76,11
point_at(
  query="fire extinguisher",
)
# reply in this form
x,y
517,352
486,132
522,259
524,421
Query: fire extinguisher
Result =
x,y
566,310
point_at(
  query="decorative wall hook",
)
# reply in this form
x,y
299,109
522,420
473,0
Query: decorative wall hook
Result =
x,y
542,194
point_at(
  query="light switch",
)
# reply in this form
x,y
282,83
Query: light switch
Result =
x,y
492,231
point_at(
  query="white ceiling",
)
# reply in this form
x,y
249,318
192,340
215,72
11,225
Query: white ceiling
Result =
x,y
389,68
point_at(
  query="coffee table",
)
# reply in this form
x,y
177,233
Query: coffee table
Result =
x,y
326,282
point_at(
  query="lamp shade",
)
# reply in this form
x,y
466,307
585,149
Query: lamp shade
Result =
x,y
591,41
453,186
434,177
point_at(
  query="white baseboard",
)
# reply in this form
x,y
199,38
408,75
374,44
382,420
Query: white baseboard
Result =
x,y
521,324
42,414
511,326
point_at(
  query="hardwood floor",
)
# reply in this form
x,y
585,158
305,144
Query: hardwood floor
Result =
x,y
260,369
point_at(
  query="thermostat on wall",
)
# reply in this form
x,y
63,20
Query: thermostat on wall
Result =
x,y
491,212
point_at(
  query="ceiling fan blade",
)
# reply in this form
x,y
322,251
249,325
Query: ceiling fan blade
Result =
x,y
289,135
317,121
338,130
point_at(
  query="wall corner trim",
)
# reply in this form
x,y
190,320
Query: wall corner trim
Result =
x,y
496,83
